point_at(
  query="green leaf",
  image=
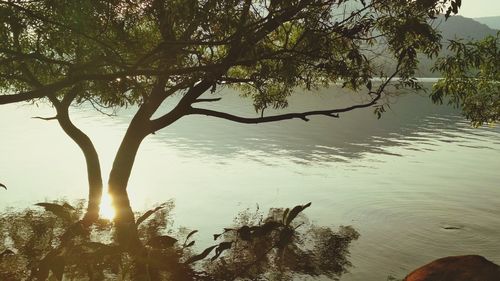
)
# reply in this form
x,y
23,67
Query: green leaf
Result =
x,y
369,85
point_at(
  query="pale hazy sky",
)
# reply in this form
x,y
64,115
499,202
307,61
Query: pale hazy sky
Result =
x,y
480,8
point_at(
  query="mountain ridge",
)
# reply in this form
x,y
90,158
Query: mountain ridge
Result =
x,y
453,28
493,22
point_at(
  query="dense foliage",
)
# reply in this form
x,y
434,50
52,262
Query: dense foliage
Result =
x,y
112,53
129,52
472,79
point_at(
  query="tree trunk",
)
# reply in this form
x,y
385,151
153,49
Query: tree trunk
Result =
x,y
118,180
124,222
126,230
91,158
138,129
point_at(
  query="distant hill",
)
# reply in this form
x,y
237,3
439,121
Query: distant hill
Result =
x,y
454,28
492,22
461,27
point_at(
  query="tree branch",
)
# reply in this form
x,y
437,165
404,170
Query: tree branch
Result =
x,y
207,100
238,47
94,176
18,55
45,118
36,93
266,119
303,115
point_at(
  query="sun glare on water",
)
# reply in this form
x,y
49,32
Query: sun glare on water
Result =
x,y
106,208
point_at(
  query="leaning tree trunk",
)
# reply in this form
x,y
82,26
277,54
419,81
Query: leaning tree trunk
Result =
x,y
118,180
138,129
126,230
91,158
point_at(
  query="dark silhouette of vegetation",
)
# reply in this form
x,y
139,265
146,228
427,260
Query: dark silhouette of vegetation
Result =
x,y
120,53
54,244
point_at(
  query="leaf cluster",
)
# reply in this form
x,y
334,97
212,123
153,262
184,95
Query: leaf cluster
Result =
x,y
112,53
471,79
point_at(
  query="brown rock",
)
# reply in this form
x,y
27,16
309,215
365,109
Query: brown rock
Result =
x,y
459,268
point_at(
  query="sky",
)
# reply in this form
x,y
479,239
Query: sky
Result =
x,y
480,8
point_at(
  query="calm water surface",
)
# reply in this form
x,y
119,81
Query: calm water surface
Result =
x,y
402,181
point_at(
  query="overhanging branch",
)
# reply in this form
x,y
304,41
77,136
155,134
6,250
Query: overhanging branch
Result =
x,y
45,118
302,115
274,118
36,93
207,100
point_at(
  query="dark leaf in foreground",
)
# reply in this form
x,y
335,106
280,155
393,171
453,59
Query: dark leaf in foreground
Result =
x,y
221,248
201,256
100,249
51,262
2,185
295,211
191,234
76,229
244,233
265,228
189,245
57,268
62,212
162,242
147,214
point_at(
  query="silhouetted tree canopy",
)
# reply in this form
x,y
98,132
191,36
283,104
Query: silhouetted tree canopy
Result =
x,y
119,53
113,53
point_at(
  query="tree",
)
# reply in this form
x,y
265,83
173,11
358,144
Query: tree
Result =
x,y
120,53
472,79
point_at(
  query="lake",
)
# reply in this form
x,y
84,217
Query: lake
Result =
x,y
418,184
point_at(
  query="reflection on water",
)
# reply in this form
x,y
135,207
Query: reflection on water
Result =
x,y
106,210
282,245
418,184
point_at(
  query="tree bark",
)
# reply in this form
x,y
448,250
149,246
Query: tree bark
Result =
x,y
118,181
91,158
124,222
